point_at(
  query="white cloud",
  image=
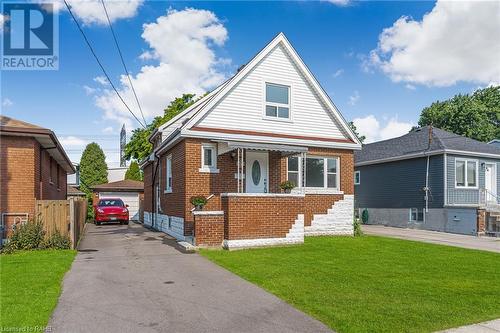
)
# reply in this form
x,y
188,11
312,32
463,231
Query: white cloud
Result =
x,y
92,12
339,2
456,41
410,86
102,80
108,130
372,128
7,102
89,90
73,142
354,98
338,73
189,67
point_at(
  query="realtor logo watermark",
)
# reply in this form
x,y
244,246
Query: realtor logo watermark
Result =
x,y
30,36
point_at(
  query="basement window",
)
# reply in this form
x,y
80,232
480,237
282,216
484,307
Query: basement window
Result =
x,y
416,215
357,177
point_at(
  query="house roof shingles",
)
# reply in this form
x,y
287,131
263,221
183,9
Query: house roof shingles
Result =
x,y
73,190
126,185
417,141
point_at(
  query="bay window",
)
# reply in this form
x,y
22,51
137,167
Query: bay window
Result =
x,y
466,173
318,172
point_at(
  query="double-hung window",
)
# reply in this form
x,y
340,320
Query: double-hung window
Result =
x,y
168,174
208,158
277,101
466,173
357,177
320,172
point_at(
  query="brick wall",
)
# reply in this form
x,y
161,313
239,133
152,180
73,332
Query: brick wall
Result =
x,y
209,229
17,174
148,188
173,204
53,177
251,217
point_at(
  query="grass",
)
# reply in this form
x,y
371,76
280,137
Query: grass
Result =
x,y
375,284
30,284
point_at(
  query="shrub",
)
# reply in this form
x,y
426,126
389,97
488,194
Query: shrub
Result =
x,y
287,185
357,228
199,201
57,241
27,236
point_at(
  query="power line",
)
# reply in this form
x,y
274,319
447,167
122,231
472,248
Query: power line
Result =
x,y
123,61
99,62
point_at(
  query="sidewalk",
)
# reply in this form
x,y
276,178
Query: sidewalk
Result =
x,y
486,327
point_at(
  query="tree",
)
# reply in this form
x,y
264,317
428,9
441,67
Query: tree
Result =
x,y
133,172
139,147
361,138
476,116
93,171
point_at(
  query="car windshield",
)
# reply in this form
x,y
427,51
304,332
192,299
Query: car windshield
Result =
x,y
111,202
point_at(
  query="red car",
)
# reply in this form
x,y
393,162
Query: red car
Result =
x,y
111,210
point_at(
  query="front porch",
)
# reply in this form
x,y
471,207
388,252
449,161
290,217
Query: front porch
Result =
x,y
258,212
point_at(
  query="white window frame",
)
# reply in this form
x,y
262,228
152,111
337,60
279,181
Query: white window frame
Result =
x,y
325,172
466,183
265,102
168,174
299,171
209,168
410,218
358,174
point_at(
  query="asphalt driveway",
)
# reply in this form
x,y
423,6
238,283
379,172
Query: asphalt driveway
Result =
x,y
130,279
469,242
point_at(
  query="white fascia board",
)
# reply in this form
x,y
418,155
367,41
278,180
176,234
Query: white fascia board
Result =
x,y
472,153
245,70
167,144
400,158
266,139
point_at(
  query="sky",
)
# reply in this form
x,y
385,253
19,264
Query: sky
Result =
x,y
381,62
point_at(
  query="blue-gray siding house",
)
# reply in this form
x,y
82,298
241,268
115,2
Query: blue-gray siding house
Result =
x,y
430,179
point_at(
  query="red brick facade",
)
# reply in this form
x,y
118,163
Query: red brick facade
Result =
x,y
25,176
255,217
209,230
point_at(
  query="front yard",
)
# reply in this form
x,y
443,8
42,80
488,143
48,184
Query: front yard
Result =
x,y
30,284
368,284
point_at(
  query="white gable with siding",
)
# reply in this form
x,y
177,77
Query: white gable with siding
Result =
x,y
243,108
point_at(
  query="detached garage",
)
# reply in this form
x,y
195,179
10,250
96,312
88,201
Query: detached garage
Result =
x,y
130,191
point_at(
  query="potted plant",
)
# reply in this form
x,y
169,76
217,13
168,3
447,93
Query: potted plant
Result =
x,y
198,202
287,186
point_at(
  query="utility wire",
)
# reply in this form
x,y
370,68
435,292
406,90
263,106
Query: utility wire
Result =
x,y
99,62
123,61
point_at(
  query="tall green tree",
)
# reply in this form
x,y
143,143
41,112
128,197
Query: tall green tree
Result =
x,y
139,147
361,138
93,171
476,116
133,172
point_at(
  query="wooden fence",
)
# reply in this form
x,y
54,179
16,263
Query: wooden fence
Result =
x,y
66,216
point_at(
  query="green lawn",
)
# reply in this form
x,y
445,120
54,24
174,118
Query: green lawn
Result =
x,y
30,284
375,284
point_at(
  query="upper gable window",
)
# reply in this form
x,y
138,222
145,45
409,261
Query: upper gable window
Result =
x,y
277,101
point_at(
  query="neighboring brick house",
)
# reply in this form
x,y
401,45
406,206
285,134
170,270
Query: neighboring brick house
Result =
x,y
33,166
269,123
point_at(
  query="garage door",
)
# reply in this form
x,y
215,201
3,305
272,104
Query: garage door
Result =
x,y
129,198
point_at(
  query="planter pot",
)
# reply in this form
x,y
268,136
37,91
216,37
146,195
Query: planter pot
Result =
x,y
198,207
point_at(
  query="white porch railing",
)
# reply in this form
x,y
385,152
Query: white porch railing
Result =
x,y
480,197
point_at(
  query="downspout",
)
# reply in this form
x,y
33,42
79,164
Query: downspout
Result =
x,y
154,193
426,188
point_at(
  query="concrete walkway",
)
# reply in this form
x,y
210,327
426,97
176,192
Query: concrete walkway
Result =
x,y
130,279
486,327
469,242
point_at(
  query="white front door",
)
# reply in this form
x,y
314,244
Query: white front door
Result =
x,y
256,172
490,181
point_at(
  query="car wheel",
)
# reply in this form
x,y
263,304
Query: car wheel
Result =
x,y
98,223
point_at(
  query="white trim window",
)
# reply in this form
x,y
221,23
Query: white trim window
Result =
x,y
293,170
168,174
209,158
416,215
357,177
466,173
320,172
277,104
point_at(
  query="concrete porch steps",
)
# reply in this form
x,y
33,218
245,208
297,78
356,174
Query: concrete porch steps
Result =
x,y
337,221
